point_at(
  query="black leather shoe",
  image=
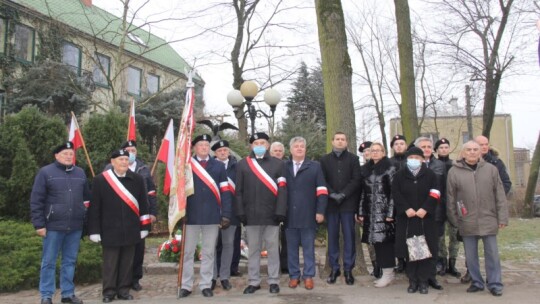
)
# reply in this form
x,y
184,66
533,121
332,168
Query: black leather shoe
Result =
x,y
413,287
184,293
434,284
225,284
349,279
236,274
136,286
213,285
46,301
496,292
333,277
207,292
474,288
127,297
251,289
108,299
423,288
73,299
401,265
274,288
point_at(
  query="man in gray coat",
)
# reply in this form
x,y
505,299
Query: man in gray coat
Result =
x,y
477,206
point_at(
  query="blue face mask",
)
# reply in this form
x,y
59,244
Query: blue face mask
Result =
x,y
413,164
259,150
132,158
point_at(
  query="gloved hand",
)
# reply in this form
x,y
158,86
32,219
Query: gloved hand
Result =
x,y
225,223
96,238
144,233
279,218
337,197
243,219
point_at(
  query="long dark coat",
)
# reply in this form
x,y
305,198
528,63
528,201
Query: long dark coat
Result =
x,y
376,203
253,198
231,174
415,192
342,175
111,217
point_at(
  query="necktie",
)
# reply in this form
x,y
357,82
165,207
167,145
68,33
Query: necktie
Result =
x,y
296,167
203,163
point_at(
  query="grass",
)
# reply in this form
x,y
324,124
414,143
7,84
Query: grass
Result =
x,y
520,241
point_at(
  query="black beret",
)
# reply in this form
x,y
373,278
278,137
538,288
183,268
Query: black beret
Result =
x,y
415,151
441,141
260,135
118,153
397,137
64,146
202,137
129,143
363,146
220,144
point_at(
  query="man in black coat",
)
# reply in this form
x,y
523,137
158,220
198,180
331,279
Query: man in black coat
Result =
x,y
399,146
341,170
118,218
491,157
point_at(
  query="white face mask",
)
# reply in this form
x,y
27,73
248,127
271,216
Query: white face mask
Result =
x,y
413,163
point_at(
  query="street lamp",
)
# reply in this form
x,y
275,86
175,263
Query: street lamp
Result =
x,y
248,91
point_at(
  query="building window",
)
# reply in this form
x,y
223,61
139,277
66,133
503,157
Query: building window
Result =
x,y
3,33
134,81
152,83
71,56
102,70
23,48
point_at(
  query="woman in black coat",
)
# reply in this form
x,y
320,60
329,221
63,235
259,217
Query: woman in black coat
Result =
x,y
376,211
416,196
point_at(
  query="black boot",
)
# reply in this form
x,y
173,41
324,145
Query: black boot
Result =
x,y
377,271
401,265
452,268
466,279
441,266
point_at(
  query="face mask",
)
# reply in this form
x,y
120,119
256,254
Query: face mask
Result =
x,y
259,150
132,158
413,164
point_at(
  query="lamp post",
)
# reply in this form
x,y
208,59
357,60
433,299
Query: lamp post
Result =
x,y
246,94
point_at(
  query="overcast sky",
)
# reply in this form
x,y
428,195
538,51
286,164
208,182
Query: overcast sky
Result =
x,y
519,94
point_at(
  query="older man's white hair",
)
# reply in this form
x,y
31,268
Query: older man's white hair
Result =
x,y
276,144
421,139
297,139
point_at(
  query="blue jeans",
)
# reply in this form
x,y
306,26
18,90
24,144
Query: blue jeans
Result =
x,y
68,243
345,220
304,237
491,258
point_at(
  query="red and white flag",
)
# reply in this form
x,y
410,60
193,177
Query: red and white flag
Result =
x,y
182,179
75,136
132,129
166,155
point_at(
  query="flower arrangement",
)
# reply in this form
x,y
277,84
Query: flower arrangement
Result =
x,y
169,251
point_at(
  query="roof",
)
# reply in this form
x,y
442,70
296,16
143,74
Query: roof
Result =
x,y
99,23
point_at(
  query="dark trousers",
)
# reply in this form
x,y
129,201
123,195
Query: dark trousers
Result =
x,y
283,260
420,271
236,253
117,270
345,221
138,260
384,254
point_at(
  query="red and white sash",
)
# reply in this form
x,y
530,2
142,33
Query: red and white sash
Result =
x,y
322,191
121,191
264,177
232,185
207,179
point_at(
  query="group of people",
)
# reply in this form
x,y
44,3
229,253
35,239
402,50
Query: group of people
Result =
x,y
274,198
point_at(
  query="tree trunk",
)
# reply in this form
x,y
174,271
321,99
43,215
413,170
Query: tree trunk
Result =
x,y
409,117
337,79
490,102
533,178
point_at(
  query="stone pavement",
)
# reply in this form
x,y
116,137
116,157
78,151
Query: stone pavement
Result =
x,y
522,285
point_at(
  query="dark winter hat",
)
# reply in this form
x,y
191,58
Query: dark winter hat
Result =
x,y
440,142
260,135
118,153
415,151
129,143
62,147
397,137
199,138
220,144
363,146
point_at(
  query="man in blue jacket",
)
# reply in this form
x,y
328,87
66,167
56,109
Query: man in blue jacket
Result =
x,y
307,197
58,203
208,209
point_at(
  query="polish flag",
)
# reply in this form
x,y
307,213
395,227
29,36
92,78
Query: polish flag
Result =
x,y
132,130
166,155
75,136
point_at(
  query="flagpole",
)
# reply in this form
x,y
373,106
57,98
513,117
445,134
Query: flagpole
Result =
x,y
156,160
181,261
84,146
131,105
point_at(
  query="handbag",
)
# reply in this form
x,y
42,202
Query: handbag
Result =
x,y
417,245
